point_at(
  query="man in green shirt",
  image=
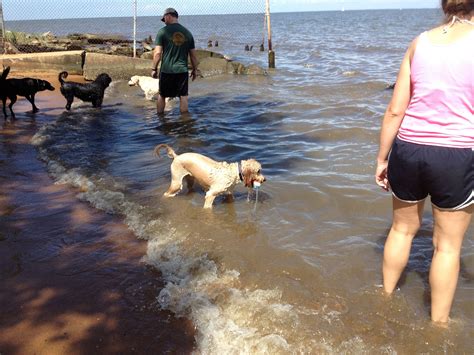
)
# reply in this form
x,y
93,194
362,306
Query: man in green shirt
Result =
x,y
173,45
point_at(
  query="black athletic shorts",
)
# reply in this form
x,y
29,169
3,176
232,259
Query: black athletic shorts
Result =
x,y
446,174
173,85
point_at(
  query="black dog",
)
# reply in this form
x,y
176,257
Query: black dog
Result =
x,y
27,87
91,92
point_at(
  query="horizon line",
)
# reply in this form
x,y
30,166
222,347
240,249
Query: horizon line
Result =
x,y
242,13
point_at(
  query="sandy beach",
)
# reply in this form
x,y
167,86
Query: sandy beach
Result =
x,y
72,277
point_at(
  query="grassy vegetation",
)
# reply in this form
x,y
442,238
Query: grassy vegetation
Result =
x,y
17,38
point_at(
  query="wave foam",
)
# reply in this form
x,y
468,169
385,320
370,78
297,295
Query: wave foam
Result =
x,y
228,317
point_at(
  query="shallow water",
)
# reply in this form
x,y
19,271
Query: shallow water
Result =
x,y
299,270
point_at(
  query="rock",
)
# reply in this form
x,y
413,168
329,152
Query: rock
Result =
x,y
254,69
237,68
147,55
73,47
105,39
201,54
10,48
148,40
210,66
147,47
77,36
213,66
124,50
96,40
48,34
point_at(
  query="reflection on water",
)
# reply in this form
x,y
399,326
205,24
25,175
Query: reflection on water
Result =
x,y
298,271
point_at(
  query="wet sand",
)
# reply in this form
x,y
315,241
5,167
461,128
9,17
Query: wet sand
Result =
x,y
72,277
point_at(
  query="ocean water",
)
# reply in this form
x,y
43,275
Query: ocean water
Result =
x,y
299,269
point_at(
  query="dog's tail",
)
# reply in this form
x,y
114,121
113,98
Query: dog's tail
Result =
x,y
5,73
63,75
169,150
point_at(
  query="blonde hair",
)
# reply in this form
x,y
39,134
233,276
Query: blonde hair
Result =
x,y
460,8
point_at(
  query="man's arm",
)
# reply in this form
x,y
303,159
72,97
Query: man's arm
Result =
x,y
157,53
194,63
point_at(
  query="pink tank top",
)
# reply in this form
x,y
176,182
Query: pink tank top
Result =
x,y
441,110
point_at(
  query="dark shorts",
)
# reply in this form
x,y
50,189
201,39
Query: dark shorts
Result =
x,y
446,174
173,85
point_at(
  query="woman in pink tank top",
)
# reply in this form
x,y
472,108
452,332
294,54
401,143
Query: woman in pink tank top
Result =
x,y
427,148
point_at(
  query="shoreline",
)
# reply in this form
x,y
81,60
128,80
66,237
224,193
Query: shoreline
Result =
x,y
72,276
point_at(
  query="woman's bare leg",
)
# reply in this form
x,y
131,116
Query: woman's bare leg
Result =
x,y
448,235
406,222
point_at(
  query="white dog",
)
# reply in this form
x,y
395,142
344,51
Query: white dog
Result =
x,y
148,84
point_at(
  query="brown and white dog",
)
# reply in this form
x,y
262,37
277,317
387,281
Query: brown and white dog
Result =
x,y
215,177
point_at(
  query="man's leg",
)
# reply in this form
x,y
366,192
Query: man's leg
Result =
x,y
183,104
448,234
406,222
160,104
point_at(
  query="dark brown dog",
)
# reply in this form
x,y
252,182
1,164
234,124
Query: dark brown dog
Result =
x,y
27,87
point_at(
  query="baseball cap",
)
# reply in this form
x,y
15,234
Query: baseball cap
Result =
x,y
169,11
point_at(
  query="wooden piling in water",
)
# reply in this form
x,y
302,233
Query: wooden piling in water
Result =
x,y
271,53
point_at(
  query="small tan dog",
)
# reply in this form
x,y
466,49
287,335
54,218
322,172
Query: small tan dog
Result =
x,y
215,177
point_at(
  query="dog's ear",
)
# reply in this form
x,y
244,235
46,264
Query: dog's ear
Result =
x,y
107,79
5,73
247,172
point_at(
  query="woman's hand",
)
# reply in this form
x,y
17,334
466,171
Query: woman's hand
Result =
x,y
381,175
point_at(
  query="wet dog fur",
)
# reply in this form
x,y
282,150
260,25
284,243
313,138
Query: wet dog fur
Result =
x,y
89,92
215,177
27,87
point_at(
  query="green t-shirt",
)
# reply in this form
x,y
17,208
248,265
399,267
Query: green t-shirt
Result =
x,y
176,41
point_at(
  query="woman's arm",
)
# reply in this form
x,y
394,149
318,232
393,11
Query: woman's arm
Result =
x,y
393,117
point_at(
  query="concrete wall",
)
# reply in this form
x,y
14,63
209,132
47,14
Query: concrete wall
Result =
x,y
71,61
118,67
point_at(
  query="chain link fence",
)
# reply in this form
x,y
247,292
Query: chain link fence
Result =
x,y
126,27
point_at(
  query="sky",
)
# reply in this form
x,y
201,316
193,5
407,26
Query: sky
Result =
x,y
47,9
